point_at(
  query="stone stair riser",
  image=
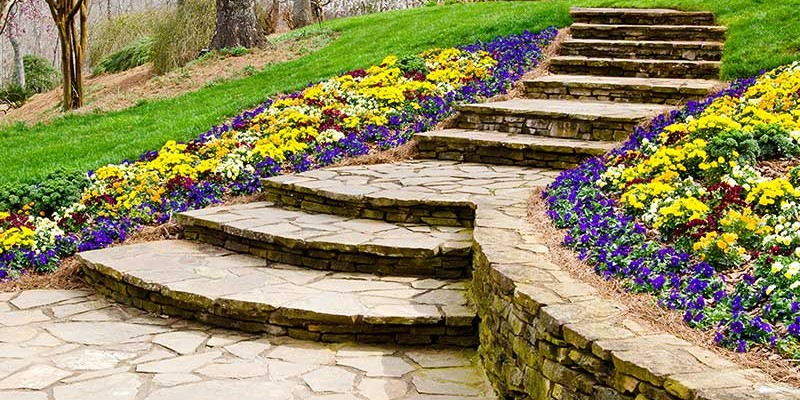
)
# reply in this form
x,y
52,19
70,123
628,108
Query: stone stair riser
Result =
x,y
466,151
612,17
705,51
640,69
455,263
630,94
282,322
649,33
455,214
547,125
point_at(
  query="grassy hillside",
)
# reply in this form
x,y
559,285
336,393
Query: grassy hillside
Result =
x,y
760,36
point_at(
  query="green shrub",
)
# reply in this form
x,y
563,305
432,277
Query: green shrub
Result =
x,y
412,63
110,36
724,144
57,190
130,56
775,142
14,95
182,33
40,76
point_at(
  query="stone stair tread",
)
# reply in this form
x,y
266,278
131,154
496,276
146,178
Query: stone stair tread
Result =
x,y
634,11
261,221
442,182
573,109
678,43
632,60
521,141
211,278
677,28
664,84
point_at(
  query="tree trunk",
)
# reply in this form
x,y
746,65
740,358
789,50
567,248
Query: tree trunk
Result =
x,y
72,40
302,13
236,25
5,9
19,65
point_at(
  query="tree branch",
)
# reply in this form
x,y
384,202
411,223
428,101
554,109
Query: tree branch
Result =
x,y
5,13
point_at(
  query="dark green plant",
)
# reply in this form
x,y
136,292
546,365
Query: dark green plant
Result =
x,y
133,55
726,143
775,142
57,190
40,76
14,95
412,63
234,51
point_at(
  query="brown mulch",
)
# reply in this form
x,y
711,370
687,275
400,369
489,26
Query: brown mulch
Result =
x,y
776,168
644,309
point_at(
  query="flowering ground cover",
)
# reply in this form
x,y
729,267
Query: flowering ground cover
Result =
x,y
702,209
345,116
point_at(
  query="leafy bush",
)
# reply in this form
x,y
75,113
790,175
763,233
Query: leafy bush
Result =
x,y
59,189
182,33
412,64
133,55
724,144
112,35
14,95
40,76
775,141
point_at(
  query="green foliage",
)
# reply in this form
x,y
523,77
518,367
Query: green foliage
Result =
x,y
724,144
111,35
758,38
58,189
234,51
14,95
412,63
40,76
775,142
133,55
182,33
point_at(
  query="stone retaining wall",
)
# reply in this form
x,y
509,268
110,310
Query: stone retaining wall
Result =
x,y
258,318
452,264
545,336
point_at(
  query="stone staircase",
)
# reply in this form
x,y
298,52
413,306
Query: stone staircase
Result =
x,y
384,253
409,252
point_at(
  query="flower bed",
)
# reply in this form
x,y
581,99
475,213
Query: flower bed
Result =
x,y
702,209
345,116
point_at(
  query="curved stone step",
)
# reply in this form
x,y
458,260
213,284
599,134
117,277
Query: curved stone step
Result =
x,y
587,120
642,50
211,284
574,65
638,16
503,148
419,191
621,89
333,242
694,33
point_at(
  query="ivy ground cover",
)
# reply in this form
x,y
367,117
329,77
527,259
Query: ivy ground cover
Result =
x,y
345,116
702,209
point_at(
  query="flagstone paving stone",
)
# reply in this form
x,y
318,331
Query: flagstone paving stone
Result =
x,y
158,358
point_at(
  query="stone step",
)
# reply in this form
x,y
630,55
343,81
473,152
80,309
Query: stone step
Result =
x,y
572,119
620,89
503,148
694,33
643,50
333,242
417,191
198,281
637,16
574,65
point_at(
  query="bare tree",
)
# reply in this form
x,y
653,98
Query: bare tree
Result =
x,y
71,17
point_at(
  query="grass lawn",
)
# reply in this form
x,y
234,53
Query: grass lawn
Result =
x,y
761,35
